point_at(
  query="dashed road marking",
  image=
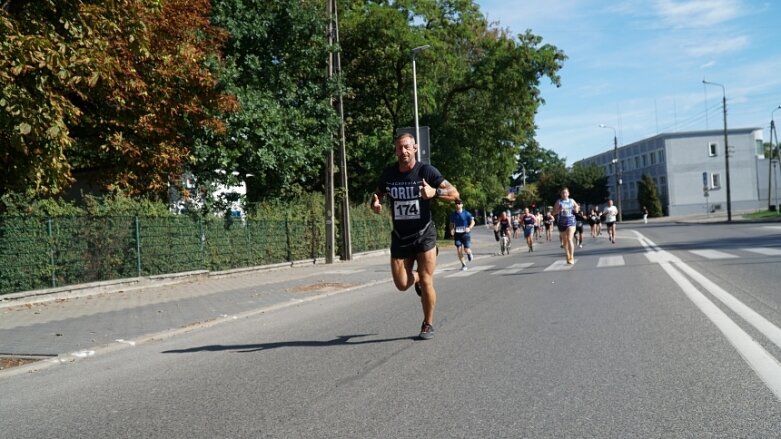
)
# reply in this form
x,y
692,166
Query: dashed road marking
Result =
x,y
712,254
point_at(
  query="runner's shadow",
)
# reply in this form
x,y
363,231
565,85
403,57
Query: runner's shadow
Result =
x,y
342,340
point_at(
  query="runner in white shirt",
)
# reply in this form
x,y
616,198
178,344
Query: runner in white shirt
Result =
x,y
610,213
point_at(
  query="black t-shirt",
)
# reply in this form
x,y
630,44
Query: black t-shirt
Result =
x,y
410,212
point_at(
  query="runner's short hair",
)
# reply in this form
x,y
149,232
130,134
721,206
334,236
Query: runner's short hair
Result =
x,y
402,136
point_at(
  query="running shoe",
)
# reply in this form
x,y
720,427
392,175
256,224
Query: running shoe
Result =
x,y
426,331
418,289
469,256
463,268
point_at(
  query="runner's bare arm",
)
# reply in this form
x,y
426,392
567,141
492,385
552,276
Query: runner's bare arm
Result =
x,y
447,192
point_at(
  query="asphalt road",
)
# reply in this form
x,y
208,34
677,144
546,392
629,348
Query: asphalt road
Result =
x,y
671,332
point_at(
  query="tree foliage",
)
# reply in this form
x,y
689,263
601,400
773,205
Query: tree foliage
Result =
x,y
117,87
477,88
648,196
276,59
129,95
589,184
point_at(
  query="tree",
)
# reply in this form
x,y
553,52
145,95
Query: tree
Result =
x,y
647,196
117,87
588,183
550,184
536,160
276,65
477,89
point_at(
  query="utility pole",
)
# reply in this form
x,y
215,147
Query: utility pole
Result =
x,y
347,250
415,94
616,170
772,156
329,164
726,147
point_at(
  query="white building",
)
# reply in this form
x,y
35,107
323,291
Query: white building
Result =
x,y
683,165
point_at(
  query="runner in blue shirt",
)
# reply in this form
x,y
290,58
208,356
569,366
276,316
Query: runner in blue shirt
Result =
x,y
461,225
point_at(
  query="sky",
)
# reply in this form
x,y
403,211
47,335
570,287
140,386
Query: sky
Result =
x,y
637,66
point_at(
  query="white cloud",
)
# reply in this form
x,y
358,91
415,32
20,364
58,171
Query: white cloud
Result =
x,y
717,47
698,13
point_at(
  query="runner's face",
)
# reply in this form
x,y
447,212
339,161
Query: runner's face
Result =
x,y
405,150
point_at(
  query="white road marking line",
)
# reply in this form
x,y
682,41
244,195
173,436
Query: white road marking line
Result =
x,y
344,271
771,331
515,268
610,261
764,251
470,271
762,362
712,254
765,365
127,342
83,353
560,265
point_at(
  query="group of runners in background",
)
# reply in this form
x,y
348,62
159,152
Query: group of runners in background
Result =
x,y
566,215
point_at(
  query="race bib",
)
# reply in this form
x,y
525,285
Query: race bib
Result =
x,y
460,229
406,210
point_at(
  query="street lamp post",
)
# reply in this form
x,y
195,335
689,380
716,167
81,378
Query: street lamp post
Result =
x,y
726,146
616,169
415,94
772,155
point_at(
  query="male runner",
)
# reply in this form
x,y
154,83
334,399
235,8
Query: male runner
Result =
x,y
411,186
461,225
610,220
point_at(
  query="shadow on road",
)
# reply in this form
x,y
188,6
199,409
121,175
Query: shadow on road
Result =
x,y
341,340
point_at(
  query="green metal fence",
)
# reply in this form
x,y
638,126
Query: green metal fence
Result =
x,y
53,252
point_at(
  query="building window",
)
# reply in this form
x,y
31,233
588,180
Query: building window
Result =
x,y
660,155
712,149
715,181
623,166
760,148
663,179
637,162
645,160
610,169
653,158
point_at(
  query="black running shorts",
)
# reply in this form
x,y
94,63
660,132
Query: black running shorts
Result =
x,y
405,247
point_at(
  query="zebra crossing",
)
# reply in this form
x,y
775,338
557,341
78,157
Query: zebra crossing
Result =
x,y
612,261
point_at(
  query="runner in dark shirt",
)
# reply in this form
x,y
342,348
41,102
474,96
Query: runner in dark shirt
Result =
x,y
529,221
411,186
